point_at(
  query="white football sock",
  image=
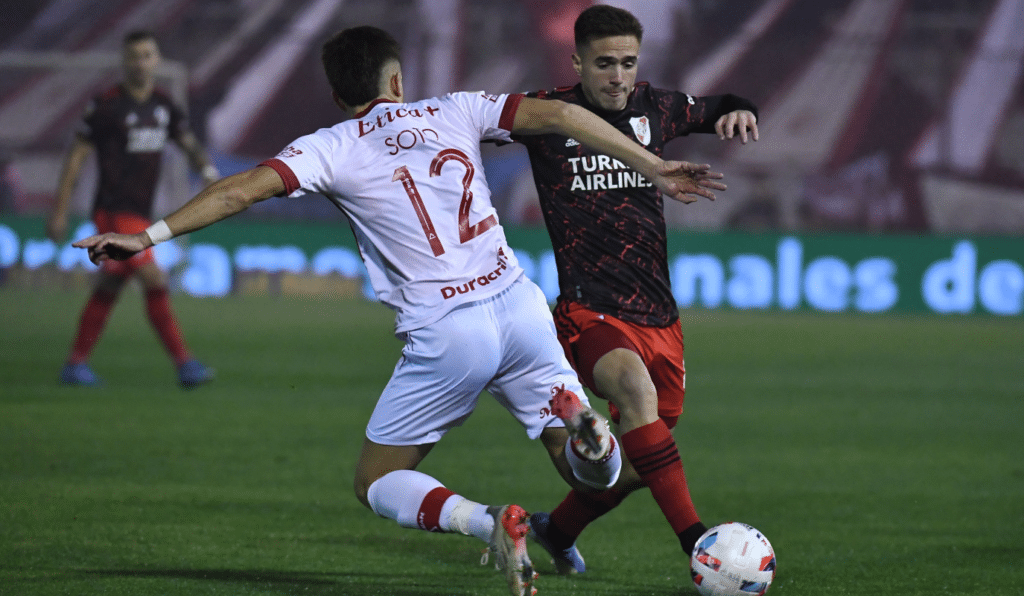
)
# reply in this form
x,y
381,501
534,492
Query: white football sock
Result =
x,y
459,514
400,495
601,474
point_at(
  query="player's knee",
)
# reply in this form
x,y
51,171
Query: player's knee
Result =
x,y
633,399
152,277
361,484
362,488
622,376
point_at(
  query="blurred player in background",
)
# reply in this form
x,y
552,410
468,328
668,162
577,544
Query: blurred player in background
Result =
x,y
617,319
128,126
410,178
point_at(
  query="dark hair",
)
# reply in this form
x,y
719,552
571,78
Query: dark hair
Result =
x,y
354,59
137,36
600,21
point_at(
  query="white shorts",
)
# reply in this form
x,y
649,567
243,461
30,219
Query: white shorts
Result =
x,y
505,344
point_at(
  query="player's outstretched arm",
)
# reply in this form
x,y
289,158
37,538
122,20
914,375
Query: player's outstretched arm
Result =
x,y
218,201
677,180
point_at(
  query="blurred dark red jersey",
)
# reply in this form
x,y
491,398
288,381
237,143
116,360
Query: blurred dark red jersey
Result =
x,y
129,138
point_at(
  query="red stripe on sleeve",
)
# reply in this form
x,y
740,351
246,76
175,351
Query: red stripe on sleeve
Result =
x,y
508,113
291,181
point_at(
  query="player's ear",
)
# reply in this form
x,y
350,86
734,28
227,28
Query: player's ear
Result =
x,y
577,64
395,85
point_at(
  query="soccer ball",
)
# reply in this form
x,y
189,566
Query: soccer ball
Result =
x,y
732,559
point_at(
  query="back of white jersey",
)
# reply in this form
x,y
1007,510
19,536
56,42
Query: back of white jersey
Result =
x,y
410,179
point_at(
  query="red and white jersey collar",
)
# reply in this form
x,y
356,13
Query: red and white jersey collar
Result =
x,y
372,105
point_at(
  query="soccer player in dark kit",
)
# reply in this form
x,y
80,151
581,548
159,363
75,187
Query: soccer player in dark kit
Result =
x,y
127,127
616,316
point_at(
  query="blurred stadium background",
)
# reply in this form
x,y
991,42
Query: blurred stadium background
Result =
x,y
877,114
891,116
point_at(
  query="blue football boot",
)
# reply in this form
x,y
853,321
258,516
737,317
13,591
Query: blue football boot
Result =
x,y
567,561
79,375
193,373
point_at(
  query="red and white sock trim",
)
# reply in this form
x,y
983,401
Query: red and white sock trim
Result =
x,y
600,474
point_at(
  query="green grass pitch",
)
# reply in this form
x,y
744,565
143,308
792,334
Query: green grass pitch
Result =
x,y
880,455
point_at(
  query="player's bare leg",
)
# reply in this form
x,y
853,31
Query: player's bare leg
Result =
x,y
622,377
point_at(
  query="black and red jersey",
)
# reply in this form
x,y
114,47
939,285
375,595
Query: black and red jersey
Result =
x,y
606,221
129,138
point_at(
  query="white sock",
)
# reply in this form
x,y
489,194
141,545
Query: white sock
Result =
x,y
601,474
401,495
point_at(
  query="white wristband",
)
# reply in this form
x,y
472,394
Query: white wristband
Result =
x,y
159,232
210,172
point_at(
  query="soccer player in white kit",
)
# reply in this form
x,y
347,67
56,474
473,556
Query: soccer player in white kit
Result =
x,y
410,178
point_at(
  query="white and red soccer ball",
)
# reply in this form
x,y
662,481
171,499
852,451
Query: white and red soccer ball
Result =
x,y
732,559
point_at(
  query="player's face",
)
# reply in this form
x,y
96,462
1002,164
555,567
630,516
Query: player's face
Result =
x,y
607,69
141,60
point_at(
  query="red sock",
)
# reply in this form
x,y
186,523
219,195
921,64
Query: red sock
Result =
x,y
429,516
652,451
91,324
576,511
158,307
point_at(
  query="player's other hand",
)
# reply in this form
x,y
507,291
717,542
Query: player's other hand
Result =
x,y
742,123
686,182
119,247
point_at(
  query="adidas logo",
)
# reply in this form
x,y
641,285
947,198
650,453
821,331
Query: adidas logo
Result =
x,y
572,143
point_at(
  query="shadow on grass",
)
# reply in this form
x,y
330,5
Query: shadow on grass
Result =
x,y
367,584
312,582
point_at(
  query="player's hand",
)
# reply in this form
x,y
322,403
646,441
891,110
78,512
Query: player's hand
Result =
x,y
737,123
119,247
57,227
686,182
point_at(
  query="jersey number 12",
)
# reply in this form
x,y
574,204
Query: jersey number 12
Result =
x,y
466,231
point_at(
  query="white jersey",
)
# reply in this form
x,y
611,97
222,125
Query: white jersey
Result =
x,y
410,178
